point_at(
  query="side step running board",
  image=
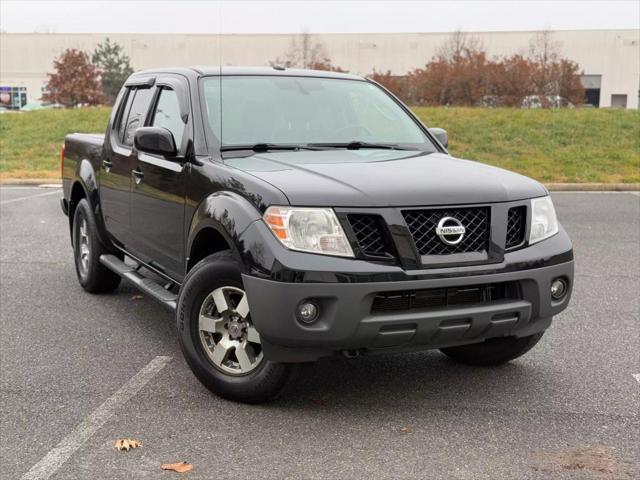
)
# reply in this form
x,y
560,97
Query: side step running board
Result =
x,y
146,285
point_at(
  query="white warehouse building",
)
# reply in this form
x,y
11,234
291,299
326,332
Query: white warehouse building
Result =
x,y
609,59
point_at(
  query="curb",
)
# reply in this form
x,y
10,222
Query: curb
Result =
x,y
593,187
552,187
30,181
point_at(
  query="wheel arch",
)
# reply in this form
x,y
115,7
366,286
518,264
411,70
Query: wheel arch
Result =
x,y
78,192
207,241
217,224
85,186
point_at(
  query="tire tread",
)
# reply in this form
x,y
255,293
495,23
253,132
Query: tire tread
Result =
x,y
100,279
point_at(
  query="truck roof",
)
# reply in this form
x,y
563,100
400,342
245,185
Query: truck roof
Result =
x,y
199,71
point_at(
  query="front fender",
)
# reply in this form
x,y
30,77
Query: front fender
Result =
x,y
229,214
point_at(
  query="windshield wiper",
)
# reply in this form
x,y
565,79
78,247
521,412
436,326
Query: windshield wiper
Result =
x,y
356,145
263,147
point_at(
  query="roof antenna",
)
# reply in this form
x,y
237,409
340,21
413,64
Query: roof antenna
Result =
x,y
220,67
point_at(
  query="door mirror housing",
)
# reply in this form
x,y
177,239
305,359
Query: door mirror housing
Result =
x,y
155,140
441,135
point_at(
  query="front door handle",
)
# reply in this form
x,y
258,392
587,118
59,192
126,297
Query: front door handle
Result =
x,y
137,176
107,165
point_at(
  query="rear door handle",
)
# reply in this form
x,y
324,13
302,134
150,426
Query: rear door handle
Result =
x,y
107,165
137,176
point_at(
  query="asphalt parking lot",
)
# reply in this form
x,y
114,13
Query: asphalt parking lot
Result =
x,y
80,371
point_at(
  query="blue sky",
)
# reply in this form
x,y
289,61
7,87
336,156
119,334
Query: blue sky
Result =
x,y
164,16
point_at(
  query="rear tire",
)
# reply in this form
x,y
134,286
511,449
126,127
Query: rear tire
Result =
x,y
217,337
87,248
494,351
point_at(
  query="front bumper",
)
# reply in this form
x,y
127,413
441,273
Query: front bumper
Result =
x,y
347,323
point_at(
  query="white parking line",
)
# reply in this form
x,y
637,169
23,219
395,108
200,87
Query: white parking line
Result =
x,y
637,376
4,202
53,460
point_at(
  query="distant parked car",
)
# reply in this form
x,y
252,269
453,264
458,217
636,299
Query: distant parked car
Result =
x,y
546,101
28,107
489,101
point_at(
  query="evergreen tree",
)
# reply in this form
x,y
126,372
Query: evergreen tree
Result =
x,y
114,64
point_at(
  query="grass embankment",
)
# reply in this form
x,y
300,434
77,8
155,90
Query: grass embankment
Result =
x,y
30,142
580,145
567,145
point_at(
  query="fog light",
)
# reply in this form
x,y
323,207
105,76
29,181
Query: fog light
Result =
x,y
308,312
558,288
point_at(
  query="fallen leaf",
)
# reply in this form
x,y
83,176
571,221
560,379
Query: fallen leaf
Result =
x,y
405,430
125,444
180,467
596,458
137,297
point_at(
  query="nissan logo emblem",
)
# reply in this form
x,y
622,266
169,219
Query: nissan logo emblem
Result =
x,y
450,230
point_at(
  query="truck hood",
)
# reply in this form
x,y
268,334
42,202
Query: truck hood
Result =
x,y
384,178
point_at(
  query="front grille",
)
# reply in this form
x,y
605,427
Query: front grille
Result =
x,y
370,235
516,222
423,223
444,297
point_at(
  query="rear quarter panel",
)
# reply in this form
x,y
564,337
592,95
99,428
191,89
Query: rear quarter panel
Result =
x,y
82,157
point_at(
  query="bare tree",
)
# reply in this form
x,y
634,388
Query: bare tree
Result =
x,y
305,52
543,48
459,45
544,52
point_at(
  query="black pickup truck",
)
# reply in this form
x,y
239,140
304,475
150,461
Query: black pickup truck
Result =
x,y
286,215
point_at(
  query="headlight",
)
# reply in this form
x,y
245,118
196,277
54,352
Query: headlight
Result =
x,y
315,230
544,223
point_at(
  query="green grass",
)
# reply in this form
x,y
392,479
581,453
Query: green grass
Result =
x,y
568,145
580,145
30,142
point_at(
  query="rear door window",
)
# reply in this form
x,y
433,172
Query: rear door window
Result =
x,y
124,114
137,114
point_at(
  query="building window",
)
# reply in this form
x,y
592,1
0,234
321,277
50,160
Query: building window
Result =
x,y
619,101
591,84
592,97
13,98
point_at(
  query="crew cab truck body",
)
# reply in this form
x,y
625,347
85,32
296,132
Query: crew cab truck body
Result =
x,y
286,215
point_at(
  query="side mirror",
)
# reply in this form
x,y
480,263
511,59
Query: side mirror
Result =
x,y
441,135
156,140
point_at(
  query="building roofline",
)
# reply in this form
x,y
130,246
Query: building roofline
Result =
x,y
289,34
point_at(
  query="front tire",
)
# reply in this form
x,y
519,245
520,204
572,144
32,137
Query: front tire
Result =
x,y
494,351
87,248
217,337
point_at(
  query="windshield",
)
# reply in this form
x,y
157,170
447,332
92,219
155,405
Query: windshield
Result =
x,y
281,110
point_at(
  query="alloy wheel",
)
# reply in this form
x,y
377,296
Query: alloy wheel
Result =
x,y
228,337
84,250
